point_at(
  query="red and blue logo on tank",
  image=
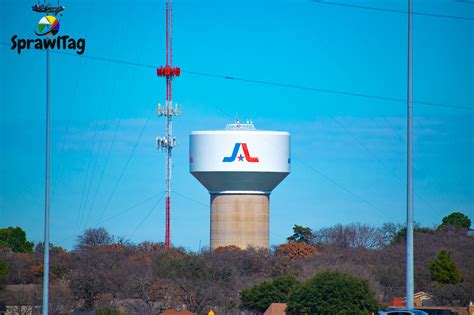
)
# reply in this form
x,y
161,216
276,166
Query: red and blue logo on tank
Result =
x,y
239,157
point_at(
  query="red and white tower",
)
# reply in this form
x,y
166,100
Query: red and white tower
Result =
x,y
168,142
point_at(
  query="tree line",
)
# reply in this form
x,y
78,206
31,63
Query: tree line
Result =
x,y
342,264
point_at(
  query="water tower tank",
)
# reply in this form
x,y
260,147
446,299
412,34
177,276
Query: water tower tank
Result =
x,y
240,166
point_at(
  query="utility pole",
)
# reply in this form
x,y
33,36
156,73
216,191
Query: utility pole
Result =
x,y
168,142
410,290
47,9
46,198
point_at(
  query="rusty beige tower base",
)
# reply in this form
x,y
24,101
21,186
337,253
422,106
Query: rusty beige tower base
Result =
x,y
240,220
240,166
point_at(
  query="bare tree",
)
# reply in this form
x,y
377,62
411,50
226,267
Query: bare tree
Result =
x,y
198,283
98,271
93,237
352,235
61,301
389,232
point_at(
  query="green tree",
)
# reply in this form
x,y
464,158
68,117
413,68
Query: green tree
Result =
x,y
456,219
259,297
332,293
301,234
15,239
443,269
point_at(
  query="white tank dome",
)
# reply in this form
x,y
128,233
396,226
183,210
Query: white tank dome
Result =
x,y
239,159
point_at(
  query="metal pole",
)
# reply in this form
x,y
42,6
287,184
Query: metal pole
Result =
x,y
46,204
410,291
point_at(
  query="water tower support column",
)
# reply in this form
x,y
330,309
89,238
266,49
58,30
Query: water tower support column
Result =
x,y
239,219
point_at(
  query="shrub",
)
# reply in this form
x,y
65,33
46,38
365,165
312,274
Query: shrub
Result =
x,y
332,293
259,297
443,269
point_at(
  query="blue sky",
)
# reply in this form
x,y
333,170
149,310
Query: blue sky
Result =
x,y
358,143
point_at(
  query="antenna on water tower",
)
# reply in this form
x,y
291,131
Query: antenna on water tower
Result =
x,y
168,142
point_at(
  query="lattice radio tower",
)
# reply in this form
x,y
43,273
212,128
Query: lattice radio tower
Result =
x,y
168,142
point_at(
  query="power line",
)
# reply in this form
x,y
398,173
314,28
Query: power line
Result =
x,y
80,211
146,217
95,164
380,161
415,168
325,90
94,167
118,213
279,235
339,185
103,169
125,166
130,208
58,173
347,190
96,160
262,82
93,173
135,64
191,199
392,10
397,134
358,141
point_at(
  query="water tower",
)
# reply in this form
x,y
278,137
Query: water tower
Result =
x,y
240,166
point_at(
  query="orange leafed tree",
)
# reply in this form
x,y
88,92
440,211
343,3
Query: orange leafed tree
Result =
x,y
296,250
